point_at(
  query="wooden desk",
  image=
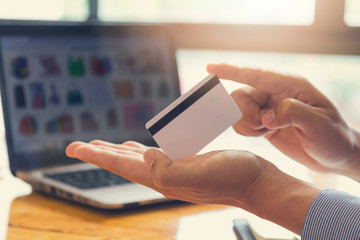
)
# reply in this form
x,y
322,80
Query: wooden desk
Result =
x,y
41,217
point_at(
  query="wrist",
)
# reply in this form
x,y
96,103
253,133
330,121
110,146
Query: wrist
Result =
x,y
352,168
281,198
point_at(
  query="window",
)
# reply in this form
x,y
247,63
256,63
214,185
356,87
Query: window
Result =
x,y
75,10
352,12
291,12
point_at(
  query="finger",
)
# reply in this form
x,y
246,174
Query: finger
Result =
x,y
258,97
135,144
115,145
266,81
101,142
100,156
241,128
159,164
121,151
250,104
166,174
131,147
70,149
128,166
291,112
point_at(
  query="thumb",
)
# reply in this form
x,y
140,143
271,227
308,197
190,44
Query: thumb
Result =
x,y
290,112
159,165
153,155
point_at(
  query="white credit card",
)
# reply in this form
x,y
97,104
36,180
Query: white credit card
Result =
x,y
194,119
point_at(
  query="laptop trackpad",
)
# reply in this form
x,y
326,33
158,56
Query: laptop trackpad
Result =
x,y
126,193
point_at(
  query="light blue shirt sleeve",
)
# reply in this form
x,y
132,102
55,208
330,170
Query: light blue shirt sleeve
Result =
x,y
333,215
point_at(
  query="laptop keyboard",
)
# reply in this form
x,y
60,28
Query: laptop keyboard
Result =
x,y
87,179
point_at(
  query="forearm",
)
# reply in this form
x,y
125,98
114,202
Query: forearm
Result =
x,y
282,199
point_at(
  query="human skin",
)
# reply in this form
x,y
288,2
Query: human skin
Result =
x,y
229,177
293,115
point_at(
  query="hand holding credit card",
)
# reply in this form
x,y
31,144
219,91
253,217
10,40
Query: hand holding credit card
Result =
x,y
194,119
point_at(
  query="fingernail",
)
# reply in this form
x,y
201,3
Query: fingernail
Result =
x,y
149,157
268,118
210,66
69,151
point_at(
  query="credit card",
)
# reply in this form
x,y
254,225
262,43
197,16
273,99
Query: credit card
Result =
x,y
194,119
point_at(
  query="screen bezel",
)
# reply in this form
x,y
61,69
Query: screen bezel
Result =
x,y
38,160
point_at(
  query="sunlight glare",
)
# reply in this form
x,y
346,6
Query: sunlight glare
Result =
x,y
34,9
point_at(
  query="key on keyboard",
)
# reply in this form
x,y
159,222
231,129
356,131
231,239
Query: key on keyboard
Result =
x,y
87,179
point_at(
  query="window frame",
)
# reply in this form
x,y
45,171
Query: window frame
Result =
x,y
328,34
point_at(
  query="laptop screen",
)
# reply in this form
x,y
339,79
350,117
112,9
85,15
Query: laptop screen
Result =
x,y
66,83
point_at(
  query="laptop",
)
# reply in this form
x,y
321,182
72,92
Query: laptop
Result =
x,y
65,82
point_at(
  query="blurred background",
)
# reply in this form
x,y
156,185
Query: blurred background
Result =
x,y
318,39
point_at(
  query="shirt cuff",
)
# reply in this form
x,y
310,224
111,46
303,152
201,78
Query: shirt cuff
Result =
x,y
333,215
